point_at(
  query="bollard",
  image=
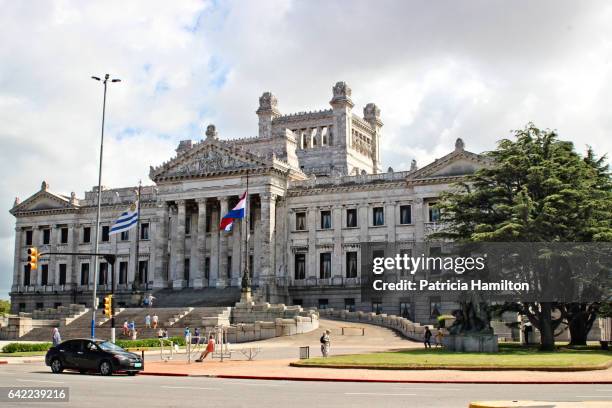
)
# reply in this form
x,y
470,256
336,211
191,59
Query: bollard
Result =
x,y
142,356
304,353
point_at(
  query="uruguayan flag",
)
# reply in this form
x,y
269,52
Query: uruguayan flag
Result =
x,y
126,221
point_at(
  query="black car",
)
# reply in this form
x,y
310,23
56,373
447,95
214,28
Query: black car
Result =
x,y
97,355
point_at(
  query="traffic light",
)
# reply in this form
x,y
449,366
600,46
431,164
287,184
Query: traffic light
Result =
x,y
108,305
33,258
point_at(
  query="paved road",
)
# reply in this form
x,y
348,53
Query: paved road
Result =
x,y
96,391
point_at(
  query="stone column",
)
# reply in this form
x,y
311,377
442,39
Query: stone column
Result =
x,y
17,264
267,225
237,253
390,220
418,212
311,262
199,279
161,247
214,247
222,269
337,261
72,270
178,243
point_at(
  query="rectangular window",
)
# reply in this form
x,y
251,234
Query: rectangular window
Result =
x,y
434,213
323,303
86,235
351,218
144,231
300,266
105,231
378,253
351,264
44,274
207,267
434,306
297,302
143,271
57,304
186,271
405,310
62,274
125,235
325,265
40,305
26,275
22,307
326,222
84,273
229,267
28,239
405,253
349,304
435,265
208,221
103,274
188,225
123,272
378,216
46,236
300,221
377,307
251,263
64,235
405,214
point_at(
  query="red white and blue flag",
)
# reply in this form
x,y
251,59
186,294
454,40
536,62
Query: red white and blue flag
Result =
x,y
235,213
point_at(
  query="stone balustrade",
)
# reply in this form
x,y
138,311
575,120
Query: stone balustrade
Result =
x,y
409,329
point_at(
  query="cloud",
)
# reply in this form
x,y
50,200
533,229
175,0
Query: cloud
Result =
x,y
438,71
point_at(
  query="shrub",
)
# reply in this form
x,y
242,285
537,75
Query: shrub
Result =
x,y
22,347
149,342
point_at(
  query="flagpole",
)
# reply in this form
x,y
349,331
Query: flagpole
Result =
x,y
136,262
246,278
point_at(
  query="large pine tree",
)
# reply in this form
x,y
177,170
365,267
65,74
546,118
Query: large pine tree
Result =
x,y
538,189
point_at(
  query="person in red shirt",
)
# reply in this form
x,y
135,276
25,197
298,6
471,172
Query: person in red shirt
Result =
x,y
210,347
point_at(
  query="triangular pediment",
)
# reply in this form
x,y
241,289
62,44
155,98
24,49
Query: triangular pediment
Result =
x,y
208,158
44,201
455,164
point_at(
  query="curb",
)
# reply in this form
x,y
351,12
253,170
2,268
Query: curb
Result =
x,y
363,380
458,368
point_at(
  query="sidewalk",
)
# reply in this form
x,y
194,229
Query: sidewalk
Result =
x,y
280,370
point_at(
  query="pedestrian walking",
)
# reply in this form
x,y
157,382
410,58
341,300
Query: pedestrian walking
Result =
x,y
150,298
196,335
439,337
57,339
187,335
148,321
160,333
135,334
131,328
155,320
126,328
427,338
210,347
325,343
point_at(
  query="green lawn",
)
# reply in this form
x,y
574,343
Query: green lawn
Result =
x,y
23,354
509,356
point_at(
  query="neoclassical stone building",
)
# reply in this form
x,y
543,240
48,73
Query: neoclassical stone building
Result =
x,y
317,193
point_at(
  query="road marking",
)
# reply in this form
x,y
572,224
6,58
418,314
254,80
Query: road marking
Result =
x,y
430,389
378,394
250,383
190,388
593,396
40,381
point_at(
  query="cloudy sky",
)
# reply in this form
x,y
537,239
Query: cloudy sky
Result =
x,y
438,70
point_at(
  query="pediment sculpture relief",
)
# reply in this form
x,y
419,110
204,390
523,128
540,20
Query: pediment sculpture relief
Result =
x,y
208,161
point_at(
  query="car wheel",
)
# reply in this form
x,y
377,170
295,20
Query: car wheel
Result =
x,y
132,373
57,366
106,368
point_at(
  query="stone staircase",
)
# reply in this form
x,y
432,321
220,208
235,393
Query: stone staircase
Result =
x,y
190,297
205,316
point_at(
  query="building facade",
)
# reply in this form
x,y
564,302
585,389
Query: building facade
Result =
x,y
317,193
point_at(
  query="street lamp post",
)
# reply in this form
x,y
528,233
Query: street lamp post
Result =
x,y
96,235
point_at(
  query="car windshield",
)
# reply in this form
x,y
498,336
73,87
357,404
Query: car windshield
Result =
x,y
108,346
